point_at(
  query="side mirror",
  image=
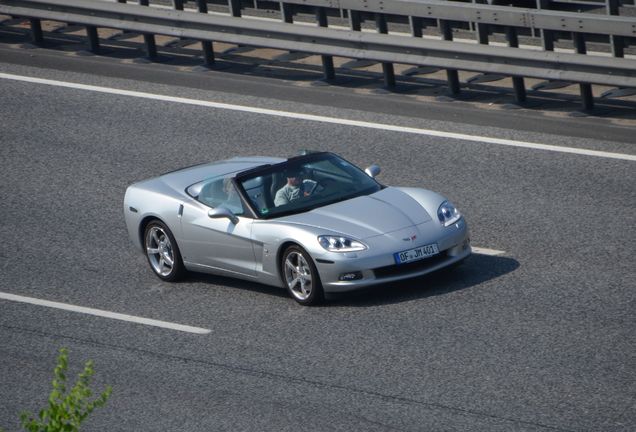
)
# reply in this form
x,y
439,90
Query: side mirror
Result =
x,y
373,170
222,212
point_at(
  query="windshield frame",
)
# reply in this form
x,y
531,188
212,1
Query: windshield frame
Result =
x,y
295,162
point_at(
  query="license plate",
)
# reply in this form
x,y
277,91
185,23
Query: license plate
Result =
x,y
415,254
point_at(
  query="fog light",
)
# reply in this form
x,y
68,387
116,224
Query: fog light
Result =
x,y
350,276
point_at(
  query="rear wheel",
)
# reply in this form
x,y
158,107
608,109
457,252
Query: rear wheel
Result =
x,y
301,277
162,252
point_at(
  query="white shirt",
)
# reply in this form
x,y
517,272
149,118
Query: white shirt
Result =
x,y
286,194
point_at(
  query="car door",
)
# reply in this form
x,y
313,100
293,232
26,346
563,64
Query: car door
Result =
x,y
217,243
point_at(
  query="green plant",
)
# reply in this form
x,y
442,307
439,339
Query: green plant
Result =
x,y
66,410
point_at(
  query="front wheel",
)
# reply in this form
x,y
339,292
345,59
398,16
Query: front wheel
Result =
x,y
162,252
301,277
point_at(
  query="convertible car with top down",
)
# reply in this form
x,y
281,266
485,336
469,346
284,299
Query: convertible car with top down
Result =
x,y
312,224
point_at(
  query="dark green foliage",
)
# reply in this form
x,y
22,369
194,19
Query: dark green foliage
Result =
x,y
66,409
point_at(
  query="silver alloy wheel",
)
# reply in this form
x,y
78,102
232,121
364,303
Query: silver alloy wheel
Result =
x,y
159,250
298,275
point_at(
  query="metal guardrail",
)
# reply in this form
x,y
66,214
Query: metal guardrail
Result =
x,y
479,13
381,47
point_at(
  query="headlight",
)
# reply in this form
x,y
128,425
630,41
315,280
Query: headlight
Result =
x,y
448,214
340,244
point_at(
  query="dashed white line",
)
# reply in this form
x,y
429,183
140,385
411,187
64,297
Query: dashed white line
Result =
x,y
324,119
486,251
104,314
149,321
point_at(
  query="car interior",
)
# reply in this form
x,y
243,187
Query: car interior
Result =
x,y
322,178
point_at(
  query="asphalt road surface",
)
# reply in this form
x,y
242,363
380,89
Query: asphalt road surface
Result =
x,y
541,337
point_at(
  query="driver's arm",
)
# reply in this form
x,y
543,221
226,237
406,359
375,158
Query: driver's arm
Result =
x,y
281,198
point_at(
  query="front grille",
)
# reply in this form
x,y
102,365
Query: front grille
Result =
x,y
412,267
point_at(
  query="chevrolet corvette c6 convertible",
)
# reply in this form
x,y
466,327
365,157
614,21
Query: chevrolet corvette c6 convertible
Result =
x,y
312,224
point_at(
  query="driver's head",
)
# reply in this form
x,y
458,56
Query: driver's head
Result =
x,y
294,177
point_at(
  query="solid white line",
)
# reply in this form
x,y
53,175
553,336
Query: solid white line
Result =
x,y
104,314
324,119
486,251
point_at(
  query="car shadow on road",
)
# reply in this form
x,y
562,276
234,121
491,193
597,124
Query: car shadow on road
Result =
x,y
230,282
474,271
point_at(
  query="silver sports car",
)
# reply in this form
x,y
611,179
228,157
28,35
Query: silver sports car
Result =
x,y
312,224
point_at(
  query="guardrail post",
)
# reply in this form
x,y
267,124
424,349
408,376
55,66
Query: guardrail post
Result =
x,y
547,36
482,34
517,81
93,39
235,8
206,46
149,39
151,46
287,12
387,68
618,42
451,74
586,89
481,31
178,4
327,60
208,53
416,26
355,20
36,32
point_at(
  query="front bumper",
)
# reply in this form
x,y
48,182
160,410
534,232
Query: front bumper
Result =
x,y
454,246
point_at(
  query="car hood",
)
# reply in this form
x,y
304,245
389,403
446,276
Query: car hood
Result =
x,y
367,216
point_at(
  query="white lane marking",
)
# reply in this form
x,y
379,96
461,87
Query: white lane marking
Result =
x,y
486,251
324,119
104,314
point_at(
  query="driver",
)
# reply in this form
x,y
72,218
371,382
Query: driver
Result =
x,y
292,190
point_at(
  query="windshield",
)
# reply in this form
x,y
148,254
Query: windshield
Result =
x,y
304,183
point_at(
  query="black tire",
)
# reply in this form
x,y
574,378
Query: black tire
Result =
x,y
300,276
163,252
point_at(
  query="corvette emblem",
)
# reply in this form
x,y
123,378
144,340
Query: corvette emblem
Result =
x,y
412,238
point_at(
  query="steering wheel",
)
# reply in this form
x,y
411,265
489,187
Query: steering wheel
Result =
x,y
323,185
